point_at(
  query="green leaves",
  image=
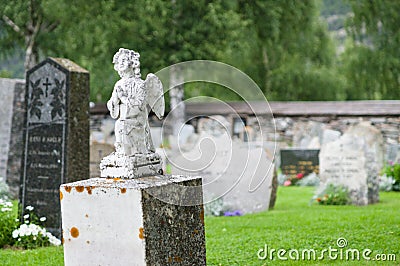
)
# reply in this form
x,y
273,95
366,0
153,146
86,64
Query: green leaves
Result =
x,y
36,102
58,98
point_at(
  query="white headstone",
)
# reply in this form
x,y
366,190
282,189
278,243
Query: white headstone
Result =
x,y
342,162
374,154
354,160
329,135
307,135
239,173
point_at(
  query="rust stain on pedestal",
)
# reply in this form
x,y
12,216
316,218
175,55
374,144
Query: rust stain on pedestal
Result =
x,y
80,188
141,233
74,232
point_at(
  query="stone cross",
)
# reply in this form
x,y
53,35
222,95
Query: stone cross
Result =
x,y
56,136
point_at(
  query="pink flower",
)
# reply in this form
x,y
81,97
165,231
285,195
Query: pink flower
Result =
x,y
287,183
300,176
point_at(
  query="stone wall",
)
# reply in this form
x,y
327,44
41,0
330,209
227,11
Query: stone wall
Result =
x,y
291,129
298,124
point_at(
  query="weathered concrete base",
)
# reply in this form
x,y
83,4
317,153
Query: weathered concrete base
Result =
x,y
128,221
138,165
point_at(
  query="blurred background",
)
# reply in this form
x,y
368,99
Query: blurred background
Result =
x,y
294,50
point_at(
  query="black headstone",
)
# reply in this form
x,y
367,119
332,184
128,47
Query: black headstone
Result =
x,y
296,161
56,136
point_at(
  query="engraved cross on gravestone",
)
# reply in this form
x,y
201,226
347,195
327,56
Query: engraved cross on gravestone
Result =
x,y
56,136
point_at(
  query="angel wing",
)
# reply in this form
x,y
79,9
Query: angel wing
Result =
x,y
155,95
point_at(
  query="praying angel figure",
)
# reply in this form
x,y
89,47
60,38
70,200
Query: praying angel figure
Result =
x,y
131,101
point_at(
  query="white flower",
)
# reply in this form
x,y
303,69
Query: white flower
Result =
x,y
42,219
5,209
15,233
29,208
26,216
43,231
17,220
23,229
53,240
34,229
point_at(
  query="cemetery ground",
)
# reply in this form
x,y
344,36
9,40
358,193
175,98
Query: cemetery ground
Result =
x,y
293,224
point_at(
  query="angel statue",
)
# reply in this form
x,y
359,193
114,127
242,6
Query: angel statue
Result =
x,y
130,103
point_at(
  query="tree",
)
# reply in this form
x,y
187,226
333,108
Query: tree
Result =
x,y
26,25
296,51
372,60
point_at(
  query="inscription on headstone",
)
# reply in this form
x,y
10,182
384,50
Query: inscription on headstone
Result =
x,y
296,161
343,163
56,136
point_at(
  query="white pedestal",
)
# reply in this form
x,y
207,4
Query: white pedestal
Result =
x,y
127,221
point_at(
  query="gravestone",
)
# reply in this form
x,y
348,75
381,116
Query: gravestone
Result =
x,y
374,155
234,172
296,161
97,151
307,135
393,153
6,100
342,162
354,161
16,140
9,92
56,136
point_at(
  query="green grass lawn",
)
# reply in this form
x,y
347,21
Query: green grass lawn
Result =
x,y
293,224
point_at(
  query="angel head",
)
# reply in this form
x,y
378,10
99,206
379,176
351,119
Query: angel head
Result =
x,y
126,61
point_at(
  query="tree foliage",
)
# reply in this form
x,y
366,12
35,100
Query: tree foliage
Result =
x,y
26,25
283,45
372,60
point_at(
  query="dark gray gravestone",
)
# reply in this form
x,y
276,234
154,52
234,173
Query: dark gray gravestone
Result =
x,y
56,136
7,87
15,149
296,161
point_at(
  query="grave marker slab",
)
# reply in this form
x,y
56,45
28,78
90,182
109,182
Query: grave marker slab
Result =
x,y
296,161
233,171
6,100
16,139
342,162
56,135
9,97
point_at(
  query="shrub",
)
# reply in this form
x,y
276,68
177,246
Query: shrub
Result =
x,y
334,195
214,208
309,180
7,222
30,235
4,189
393,170
386,183
298,180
